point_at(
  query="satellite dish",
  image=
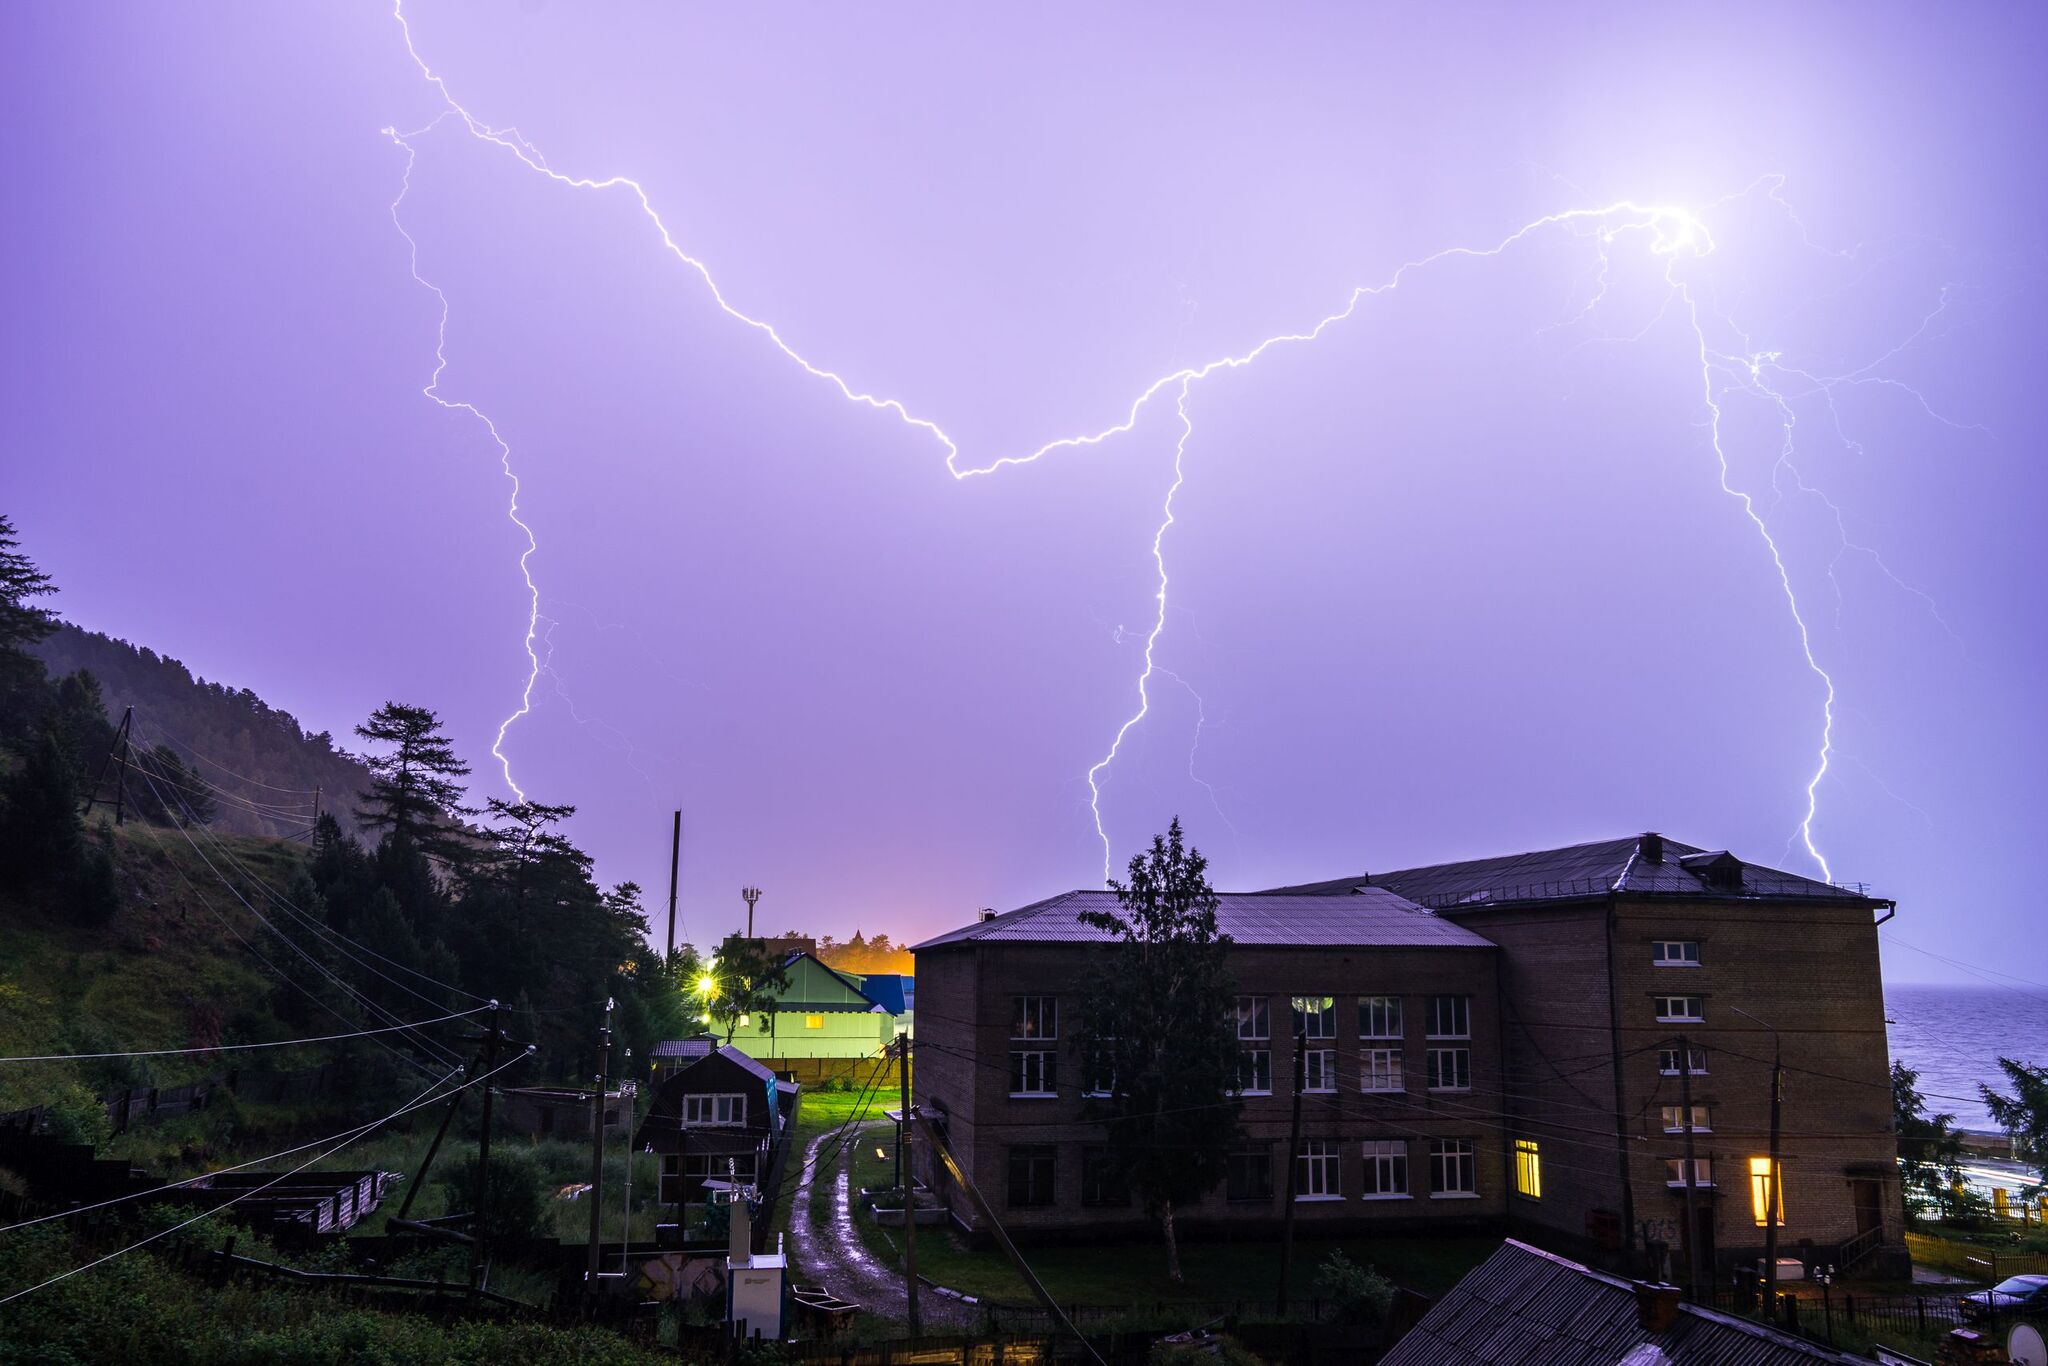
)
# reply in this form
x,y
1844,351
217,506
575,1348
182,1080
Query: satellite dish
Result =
x,y
2024,1347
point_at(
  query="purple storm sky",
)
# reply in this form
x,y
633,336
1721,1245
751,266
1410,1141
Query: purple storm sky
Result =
x,y
1457,577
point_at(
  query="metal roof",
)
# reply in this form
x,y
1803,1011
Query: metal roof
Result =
x,y
1533,1308
1375,917
1580,871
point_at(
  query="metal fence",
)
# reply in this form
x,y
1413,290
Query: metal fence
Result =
x,y
1818,1316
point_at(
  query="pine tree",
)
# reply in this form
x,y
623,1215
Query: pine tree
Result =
x,y
414,788
22,624
1157,1037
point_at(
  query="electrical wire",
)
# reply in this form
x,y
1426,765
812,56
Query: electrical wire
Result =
x,y
237,1047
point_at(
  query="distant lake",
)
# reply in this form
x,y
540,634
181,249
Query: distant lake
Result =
x,y
1954,1036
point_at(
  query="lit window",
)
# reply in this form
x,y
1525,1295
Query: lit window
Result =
x,y
1674,1119
1450,1069
1379,1017
1386,1169
1319,1069
1254,1017
1453,1169
814,1022
1315,1017
1035,1017
1681,1009
1528,1169
1450,1017
1760,1193
1675,953
1702,1171
1380,1070
1667,1061
1318,1170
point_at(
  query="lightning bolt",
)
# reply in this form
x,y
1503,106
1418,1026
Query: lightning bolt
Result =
x,y
1675,233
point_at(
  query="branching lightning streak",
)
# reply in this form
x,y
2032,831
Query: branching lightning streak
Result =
x,y
432,391
1676,233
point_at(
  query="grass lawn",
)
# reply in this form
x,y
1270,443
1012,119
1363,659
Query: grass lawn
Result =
x,y
821,1112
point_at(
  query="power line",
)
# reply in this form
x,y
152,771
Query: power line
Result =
x,y
239,777
237,1047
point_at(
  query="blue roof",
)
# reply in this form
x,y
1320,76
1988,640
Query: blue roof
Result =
x,y
890,990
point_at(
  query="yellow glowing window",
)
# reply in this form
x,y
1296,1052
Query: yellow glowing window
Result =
x,y
1760,1196
814,1022
1528,1169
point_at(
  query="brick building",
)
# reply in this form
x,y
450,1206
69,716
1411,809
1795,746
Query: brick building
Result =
x,y
1399,1024
1595,974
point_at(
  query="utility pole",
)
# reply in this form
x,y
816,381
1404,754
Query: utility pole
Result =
x,y
675,858
626,1208
1293,1162
1692,1222
1774,1198
480,1232
750,895
117,755
604,1067
909,1205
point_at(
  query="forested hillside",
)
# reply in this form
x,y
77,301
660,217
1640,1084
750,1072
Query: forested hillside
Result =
x,y
262,768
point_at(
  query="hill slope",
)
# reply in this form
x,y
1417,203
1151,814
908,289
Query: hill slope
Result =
x,y
265,768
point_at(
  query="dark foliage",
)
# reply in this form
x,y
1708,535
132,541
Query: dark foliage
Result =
x,y
2024,1114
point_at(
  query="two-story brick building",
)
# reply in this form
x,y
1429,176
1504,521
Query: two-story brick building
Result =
x,y
1494,1042
1394,1010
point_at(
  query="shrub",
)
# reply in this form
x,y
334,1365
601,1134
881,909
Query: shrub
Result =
x,y
1215,1351
512,1205
76,1115
1360,1294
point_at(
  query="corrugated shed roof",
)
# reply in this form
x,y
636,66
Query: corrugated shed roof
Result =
x,y
1532,1308
1584,870
1376,917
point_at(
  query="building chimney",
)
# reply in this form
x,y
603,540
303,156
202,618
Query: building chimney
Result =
x,y
1656,1306
1650,848
987,915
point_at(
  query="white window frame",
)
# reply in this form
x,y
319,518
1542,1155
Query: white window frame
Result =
x,y
1321,1170
1317,1014
1254,1017
1034,1019
1662,953
1034,1073
1319,1070
1528,1169
1674,1172
1379,1070
1670,1056
1379,1017
1457,1158
1267,1068
702,1111
1386,1170
1460,1009
1674,1119
1460,1060
1670,1009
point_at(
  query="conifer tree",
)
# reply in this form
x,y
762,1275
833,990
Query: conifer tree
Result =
x,y
414,788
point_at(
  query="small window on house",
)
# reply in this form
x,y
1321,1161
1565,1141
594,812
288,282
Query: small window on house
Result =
x,y
1255,1072
1667,1061
814,1022
1675,953
1034,1017
1453,1167
1386,1169
1765,1192
1319,1069
1317,1177
1681,1009
1032,1170
1099,1184
1450,1017
1702,1171
1379,1017
1450,1069
1254,1017
1315,1017
1248,1175
1034,1020
714,1110
1380,1070
1528,1169
1034,1072
1674,1119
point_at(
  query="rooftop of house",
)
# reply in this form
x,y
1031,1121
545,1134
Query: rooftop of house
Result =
x,y
1648,864
1374,918
1529,1306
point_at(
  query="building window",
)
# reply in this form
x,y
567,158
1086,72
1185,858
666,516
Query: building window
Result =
x,y
1675,953
1255,1072
1254,1017
671,1183
1702,1171
1315,1017
1528,1169
1032,1168
1035,1017
737,1167
1319,1069
1453,1170
1379,1017
814,1022
1681,1009
1316,1170
1034,1072
1249,1176
1760,1197
1100,1187
1667,1061
1386,1169
1100,1074
1450,1017
714,1110
1450,1069
1380,1070
1674,1119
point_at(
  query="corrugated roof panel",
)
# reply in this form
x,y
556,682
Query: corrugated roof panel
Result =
x,y
1376,917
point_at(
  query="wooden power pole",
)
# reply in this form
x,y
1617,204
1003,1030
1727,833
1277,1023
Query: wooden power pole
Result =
x,y
675,858
480,1231
909,1204
1293,1163
604,1067
1693,1251
1774,1198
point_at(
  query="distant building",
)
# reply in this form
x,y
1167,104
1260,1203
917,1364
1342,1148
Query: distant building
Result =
x,y
672,1055
822,1013
1503,1044
724,1115
1536,1309
563,1111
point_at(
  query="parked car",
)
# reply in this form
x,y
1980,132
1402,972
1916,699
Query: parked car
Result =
x,y
2013,1295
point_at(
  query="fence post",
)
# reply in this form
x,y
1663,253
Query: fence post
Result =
x,y
1920,1313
